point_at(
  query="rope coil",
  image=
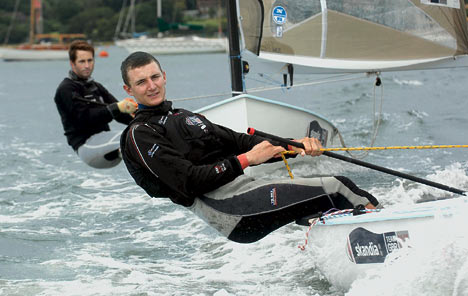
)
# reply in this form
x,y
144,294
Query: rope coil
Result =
x,y
332,215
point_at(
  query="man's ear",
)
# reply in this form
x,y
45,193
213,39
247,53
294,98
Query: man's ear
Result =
x,y
128,89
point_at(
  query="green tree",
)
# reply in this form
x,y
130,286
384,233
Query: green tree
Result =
x,y
61,10
57,14
146,17
98,24
96,18
20,29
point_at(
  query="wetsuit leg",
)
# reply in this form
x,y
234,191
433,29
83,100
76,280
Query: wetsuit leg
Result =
x,y
101,150
247,210
353,187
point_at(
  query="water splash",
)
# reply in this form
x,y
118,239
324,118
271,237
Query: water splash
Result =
x,y
407,82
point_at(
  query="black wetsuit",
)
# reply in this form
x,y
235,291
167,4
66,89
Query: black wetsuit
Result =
x,y
181,155
86,108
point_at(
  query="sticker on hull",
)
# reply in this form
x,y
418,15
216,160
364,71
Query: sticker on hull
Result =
x,y
365,247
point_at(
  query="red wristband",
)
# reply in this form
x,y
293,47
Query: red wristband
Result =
x,y
243,160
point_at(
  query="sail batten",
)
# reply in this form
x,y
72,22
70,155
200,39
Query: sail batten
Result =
x,y
304,65
323,49
381,34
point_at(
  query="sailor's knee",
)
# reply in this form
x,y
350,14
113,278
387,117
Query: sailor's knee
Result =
x,y
351,192
333,184
345,181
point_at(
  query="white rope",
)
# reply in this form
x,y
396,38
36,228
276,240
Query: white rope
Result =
x,y
315,82
375,122
261,89
201,97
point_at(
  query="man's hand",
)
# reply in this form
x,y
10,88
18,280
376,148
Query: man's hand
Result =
x,y
370,206
127,106
312,147
263,152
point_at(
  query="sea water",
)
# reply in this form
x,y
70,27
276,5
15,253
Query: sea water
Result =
x,y
68,229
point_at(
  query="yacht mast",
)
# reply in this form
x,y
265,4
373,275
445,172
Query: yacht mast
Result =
x,y
234,49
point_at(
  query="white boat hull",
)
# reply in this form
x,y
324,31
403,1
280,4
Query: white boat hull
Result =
x,y
10,54
346,248
174,45
245,111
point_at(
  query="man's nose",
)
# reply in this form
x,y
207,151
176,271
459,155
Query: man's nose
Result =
x,y
151,84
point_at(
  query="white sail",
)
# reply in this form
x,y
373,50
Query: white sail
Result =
x,y
330,36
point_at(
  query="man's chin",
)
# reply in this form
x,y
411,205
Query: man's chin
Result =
x,y
156,102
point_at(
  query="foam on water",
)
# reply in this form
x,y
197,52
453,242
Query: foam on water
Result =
x,y
66,229
113,240
407,82
408,192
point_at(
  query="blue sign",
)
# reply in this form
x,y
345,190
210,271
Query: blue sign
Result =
x,y
279,15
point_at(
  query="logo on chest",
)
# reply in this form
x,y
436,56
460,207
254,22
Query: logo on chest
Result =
x,y
195,121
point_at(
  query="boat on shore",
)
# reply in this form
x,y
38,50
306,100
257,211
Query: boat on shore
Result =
x,y
44,50
163,45
41,47
174,45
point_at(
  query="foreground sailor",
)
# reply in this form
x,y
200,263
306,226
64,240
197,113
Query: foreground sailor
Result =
x,y
181,155
86,108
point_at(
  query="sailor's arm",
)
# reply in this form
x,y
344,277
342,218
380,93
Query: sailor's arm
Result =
x,y
73,105
265,151
250,149
262,152
184,178
312,147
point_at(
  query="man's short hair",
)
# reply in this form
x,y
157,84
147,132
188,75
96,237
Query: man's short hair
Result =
x,y
79,45
136,60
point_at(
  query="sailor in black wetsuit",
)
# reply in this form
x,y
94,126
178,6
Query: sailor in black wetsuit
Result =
x,y
86,108
181,155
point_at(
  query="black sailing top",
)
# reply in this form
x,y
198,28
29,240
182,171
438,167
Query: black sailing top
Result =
x,y
86,108
181,155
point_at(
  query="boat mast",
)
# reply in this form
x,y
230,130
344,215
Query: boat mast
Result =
x,y
35,21
12,19
234,49
32,22
159,9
